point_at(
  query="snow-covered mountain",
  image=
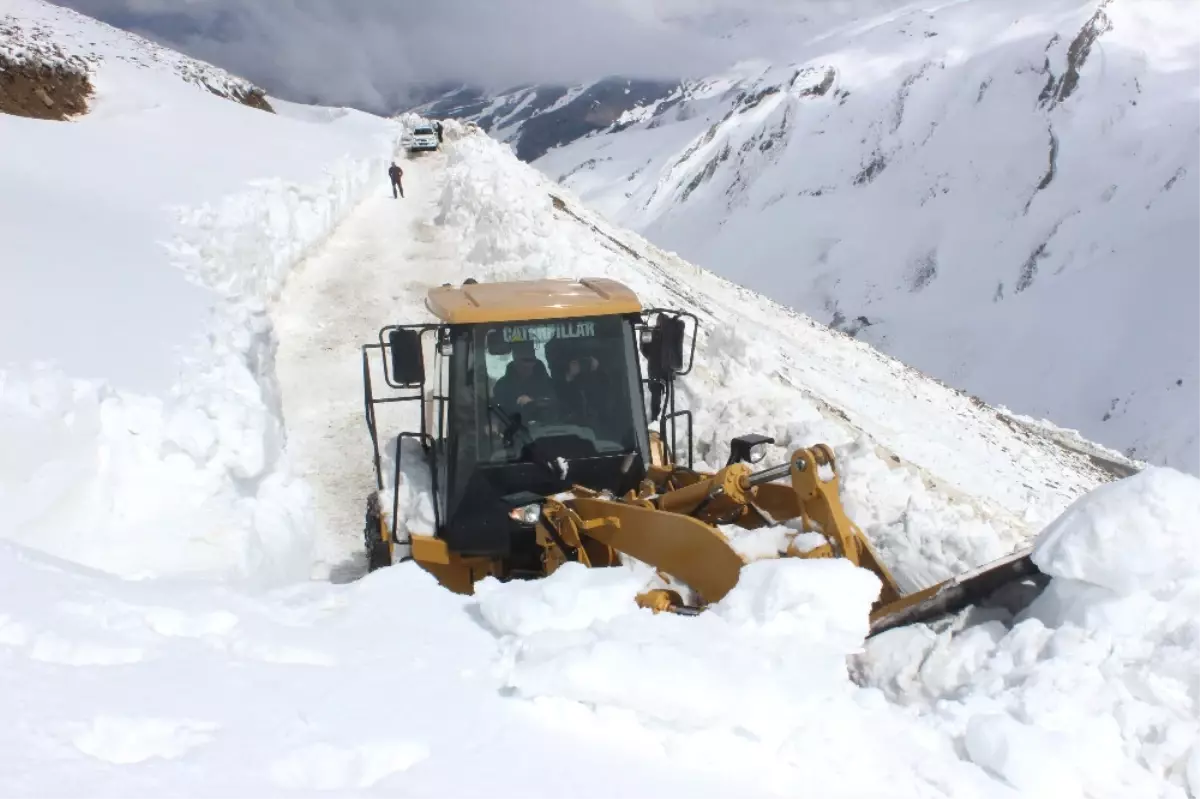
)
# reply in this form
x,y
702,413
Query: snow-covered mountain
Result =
x,y
48,60
1004,196
184,604
534,119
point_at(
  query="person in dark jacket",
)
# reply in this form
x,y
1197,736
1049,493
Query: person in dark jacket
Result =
x,y
437,126
524,381
584,390
395,172
577,386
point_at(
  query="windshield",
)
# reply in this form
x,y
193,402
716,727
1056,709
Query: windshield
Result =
x,y
558,389
423,132
538,406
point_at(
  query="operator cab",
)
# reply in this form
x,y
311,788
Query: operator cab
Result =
x,y
522,419
539,388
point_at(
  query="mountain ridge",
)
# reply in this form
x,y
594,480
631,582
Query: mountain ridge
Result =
x,y
1004,198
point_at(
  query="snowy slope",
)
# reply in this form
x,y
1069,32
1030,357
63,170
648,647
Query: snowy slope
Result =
x,y
69,195
1001,195
141,241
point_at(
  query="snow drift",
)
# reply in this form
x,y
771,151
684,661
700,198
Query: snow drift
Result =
x,y
139,396
1095,690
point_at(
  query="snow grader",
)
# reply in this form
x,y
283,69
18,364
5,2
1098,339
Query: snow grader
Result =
x,y
536,430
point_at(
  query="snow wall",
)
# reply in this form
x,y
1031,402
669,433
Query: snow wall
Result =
x,y
194,482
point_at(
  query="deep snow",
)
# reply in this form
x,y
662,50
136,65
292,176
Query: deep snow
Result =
x,y
113,688
197,678
1096,690
1001,194
141,244
131,164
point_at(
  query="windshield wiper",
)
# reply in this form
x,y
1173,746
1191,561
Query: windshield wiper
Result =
x,y
512,425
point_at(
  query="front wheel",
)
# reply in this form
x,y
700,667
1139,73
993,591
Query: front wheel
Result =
x,y
379,545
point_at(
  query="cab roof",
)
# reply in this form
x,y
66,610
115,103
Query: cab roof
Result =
x,y
518,300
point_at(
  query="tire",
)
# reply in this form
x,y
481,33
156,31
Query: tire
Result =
x,y
379,552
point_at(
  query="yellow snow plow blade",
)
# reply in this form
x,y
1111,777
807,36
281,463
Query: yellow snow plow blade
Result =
x,y
976,587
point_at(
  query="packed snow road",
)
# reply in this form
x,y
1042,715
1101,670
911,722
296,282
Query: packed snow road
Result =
x,y
372,272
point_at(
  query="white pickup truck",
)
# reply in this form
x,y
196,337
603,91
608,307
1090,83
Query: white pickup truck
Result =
x,y
421,139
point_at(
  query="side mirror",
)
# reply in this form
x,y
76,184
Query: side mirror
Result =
x,y
663,346
408,362
673,329
742,449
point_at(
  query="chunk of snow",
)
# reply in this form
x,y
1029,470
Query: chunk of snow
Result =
x,y
763,542
1025,757
1141,533
824,600
327,767
807,614
571,598
132,740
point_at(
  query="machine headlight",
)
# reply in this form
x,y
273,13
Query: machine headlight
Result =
x,y
526,514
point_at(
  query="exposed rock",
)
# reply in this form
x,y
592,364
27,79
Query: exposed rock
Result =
x,y
56,91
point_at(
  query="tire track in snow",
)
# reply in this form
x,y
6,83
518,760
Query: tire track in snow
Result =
x,y
372,271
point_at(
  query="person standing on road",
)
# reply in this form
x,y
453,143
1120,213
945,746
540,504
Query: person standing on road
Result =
x,y
395,173
437,126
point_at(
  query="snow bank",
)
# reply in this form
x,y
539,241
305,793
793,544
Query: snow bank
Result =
x,y
756,685
145,688
1138,534
572,599
1095,691
194,482
154,443
773,649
